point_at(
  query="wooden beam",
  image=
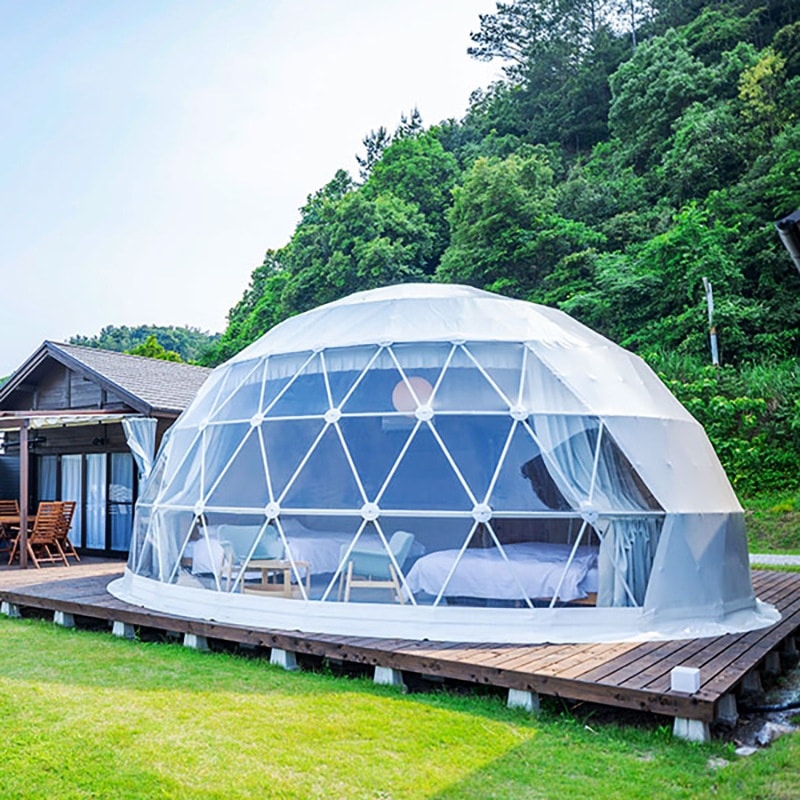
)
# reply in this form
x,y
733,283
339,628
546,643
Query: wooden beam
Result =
x,y
23,495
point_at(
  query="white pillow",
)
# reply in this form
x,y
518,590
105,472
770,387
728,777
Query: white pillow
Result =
x,y
207,555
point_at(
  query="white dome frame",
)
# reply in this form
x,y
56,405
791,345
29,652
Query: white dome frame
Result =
x,y
631,468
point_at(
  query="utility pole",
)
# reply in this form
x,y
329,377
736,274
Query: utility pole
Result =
x,y
789,233
712,330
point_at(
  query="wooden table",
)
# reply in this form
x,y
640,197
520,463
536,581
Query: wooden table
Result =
x,y
276,576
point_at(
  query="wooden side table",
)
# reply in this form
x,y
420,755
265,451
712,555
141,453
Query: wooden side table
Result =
x,y
276,576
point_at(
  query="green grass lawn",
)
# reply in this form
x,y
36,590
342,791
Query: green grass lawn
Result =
x,y
87,715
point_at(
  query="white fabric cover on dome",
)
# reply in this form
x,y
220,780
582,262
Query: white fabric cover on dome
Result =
x,y
473,421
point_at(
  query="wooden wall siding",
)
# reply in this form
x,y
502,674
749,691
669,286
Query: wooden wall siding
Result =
x,y
52,387
83,393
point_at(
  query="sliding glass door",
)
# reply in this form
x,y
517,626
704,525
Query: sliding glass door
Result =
x,y
103,486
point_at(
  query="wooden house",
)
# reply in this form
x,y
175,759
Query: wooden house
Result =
x,y
68,422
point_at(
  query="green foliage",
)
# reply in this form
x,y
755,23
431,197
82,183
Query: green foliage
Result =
x,y
751,415
630,150
188,343
497,223
650,91
417,170
150,348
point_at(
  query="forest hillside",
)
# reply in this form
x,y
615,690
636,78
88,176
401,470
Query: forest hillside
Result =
x,y
631,149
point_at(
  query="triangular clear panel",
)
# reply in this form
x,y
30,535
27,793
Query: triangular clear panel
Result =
x,y
374,391
304,394
375,443
476,444
326,479
464,387
319,542
206,399
425,479
287,443
524,482
502,362
243,483
220,442
244,399
344,366
181,484
245,373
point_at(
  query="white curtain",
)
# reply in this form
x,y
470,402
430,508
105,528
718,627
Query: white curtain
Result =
x,y
96,500
140,433
598,481
72,489
47,484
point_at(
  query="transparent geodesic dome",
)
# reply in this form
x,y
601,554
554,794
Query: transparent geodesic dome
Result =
x,y
437,461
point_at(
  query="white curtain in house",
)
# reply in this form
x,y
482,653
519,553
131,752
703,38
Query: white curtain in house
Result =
x,y
96,501
46,482
71,489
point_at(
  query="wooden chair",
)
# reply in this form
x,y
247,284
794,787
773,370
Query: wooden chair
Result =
x,y
9,515
43,546
63,542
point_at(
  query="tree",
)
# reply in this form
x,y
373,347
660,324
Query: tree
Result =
x,y
357,242
505,234
150,348
419,171
375,142
650,92
558,58
189,343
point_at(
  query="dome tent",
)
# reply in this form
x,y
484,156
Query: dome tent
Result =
x,y
434,461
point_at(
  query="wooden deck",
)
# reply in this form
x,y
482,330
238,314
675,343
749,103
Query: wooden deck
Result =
x,y
632,676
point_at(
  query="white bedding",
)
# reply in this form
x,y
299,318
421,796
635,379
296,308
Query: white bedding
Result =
x,y
319,548
322,549
483,573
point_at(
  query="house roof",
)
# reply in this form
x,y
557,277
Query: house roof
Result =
x,y
148,385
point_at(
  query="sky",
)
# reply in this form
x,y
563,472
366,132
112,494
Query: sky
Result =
x,y
152,151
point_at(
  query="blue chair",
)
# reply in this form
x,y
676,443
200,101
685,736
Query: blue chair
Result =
x,y
368,568
237,542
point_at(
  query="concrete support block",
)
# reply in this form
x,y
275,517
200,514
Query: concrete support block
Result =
x,y
386,676
751,683
283,658
63,619
195,641
517,698
123,629
684,679
10,609
772,664
693,730
727,713
790,647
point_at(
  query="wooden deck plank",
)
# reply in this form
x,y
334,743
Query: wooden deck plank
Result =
x,y
578,667
717,655
624,674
